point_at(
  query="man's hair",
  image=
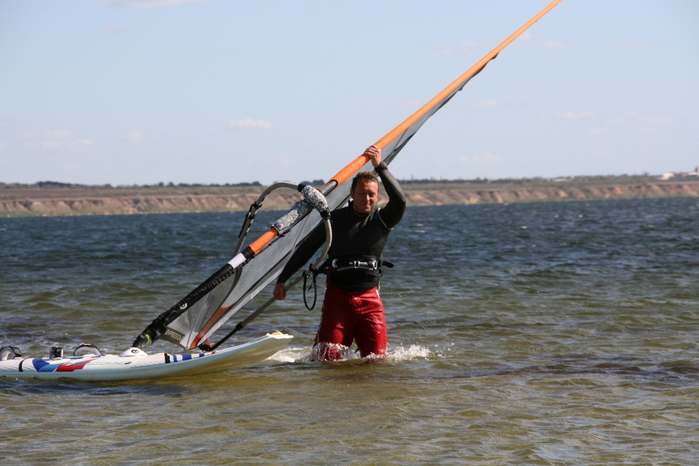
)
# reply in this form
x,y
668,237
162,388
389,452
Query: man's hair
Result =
x,y
367,177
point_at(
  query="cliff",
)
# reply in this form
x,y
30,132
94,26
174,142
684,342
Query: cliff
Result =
x,y
85,200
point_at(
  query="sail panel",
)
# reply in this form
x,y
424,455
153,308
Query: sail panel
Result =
x,y
197,322
269,263
210,313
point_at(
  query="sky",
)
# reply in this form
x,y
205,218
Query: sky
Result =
x,y
134,92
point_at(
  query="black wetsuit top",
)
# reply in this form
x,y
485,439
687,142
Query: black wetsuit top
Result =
x,y
353,234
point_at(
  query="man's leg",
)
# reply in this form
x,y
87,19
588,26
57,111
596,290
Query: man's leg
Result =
x,y
337,324
371,333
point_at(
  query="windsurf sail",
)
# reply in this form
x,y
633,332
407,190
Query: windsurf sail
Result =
x,y
191,321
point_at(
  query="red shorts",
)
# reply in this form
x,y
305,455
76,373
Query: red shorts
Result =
x,y
348,316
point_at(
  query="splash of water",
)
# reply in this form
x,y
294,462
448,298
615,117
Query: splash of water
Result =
x,y
315,353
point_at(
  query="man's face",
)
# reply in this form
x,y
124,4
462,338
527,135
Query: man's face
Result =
x,y
365,196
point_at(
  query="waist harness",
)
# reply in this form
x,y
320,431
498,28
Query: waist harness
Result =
x,y
355,273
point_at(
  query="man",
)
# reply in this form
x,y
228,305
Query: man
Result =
x,y
352,308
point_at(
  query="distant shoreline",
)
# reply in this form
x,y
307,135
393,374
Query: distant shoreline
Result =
x,y
48,199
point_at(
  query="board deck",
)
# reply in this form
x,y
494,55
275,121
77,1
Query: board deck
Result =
x,y
127,366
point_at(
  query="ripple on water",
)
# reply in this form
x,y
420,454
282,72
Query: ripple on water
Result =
x,y
572,341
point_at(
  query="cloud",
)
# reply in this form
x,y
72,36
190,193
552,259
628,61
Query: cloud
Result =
x,y
618,120
555,45
568,115
650,120
149,3
647,130
595,131
57,140
249,123
492,103
480,158
465,48
530,40
638,117
64,140
136,137
636,43
632,124
411,104
474,48
112,30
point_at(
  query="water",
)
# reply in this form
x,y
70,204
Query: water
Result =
x,y
544,333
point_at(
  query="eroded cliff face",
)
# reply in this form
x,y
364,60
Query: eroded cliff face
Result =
x,y
133,205
82,201
541,194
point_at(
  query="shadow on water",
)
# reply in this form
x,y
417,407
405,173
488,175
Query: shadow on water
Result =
x,y
164,387
682,371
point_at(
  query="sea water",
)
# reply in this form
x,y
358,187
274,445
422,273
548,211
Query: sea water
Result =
x,y
541,333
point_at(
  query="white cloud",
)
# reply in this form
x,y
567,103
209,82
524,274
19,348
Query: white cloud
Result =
x,y
568,115
530,40
112,30
555,45
411,104
465,48
492,103
638,117
136,137
618,120
649,120
632,124
249,123
648,130
60,140
480,158
149,3
635,43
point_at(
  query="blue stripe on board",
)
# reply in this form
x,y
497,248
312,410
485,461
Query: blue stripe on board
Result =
x,y
42,366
